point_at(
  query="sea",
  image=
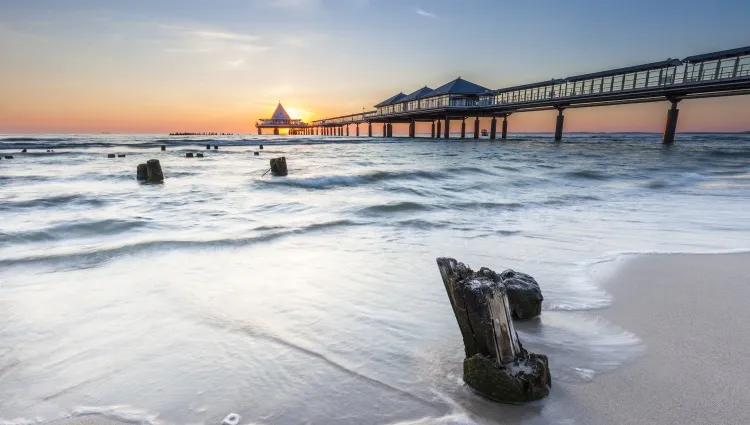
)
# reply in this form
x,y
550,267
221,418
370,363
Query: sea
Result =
x,y
315,298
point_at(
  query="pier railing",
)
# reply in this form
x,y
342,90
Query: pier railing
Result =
x,y
696,74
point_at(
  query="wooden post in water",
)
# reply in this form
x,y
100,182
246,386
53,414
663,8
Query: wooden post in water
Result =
x,y
141,172
278,166
154,171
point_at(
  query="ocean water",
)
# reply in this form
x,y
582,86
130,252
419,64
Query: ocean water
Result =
x,y
315,298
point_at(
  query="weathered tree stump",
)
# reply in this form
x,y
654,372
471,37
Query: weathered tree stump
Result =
x,y
278,166
110,155
189,155
153,168
141,172
496,365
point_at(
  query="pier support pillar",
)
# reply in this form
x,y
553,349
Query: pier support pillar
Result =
x,y
357,130
432,135
439,127
389,130
463,128
493,128
447,128
369,129
671,127
412,126
385,130
476,127
260,131
504,133
347,130
559,125
275,131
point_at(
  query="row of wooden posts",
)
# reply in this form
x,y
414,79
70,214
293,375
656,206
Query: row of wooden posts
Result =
x,y
438,130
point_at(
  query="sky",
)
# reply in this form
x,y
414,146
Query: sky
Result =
x,y
79,66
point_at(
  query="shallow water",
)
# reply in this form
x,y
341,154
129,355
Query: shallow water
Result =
x,y
315,298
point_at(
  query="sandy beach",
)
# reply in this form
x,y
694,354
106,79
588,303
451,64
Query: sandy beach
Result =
x,y
691,312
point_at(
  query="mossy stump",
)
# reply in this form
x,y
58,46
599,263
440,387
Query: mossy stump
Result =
x,y
496,364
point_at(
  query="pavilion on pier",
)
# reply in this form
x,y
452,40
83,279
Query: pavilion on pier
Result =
x,y
281,119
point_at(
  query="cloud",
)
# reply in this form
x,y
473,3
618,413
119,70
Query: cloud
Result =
x,y
184,39
425,13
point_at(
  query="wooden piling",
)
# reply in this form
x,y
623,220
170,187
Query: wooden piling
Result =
x,y
154,171
278,166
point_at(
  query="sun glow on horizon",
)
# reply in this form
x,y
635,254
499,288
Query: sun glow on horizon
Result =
x,y
299,114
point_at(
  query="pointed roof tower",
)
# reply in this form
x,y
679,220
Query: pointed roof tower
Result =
x,y
280,114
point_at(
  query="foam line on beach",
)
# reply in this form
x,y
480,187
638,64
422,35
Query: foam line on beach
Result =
x,y
256,331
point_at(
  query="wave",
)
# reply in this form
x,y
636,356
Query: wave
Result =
x,y
683,179
587,174
36,139
394,207
74,230
54,202
370,177
95,258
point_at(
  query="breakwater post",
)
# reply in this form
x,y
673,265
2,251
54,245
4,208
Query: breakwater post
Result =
x,y
278,166
496,365
163,147
141,172
150,171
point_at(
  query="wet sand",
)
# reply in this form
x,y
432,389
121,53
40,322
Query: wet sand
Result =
x,y
692,313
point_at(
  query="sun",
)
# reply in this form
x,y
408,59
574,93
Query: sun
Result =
x,y
296,113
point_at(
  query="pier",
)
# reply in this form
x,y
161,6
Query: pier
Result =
x,y
716,74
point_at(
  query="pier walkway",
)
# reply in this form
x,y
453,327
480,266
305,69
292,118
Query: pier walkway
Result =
x,y
723,73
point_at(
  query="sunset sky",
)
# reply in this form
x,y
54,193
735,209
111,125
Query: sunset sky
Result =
x,y
190,65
